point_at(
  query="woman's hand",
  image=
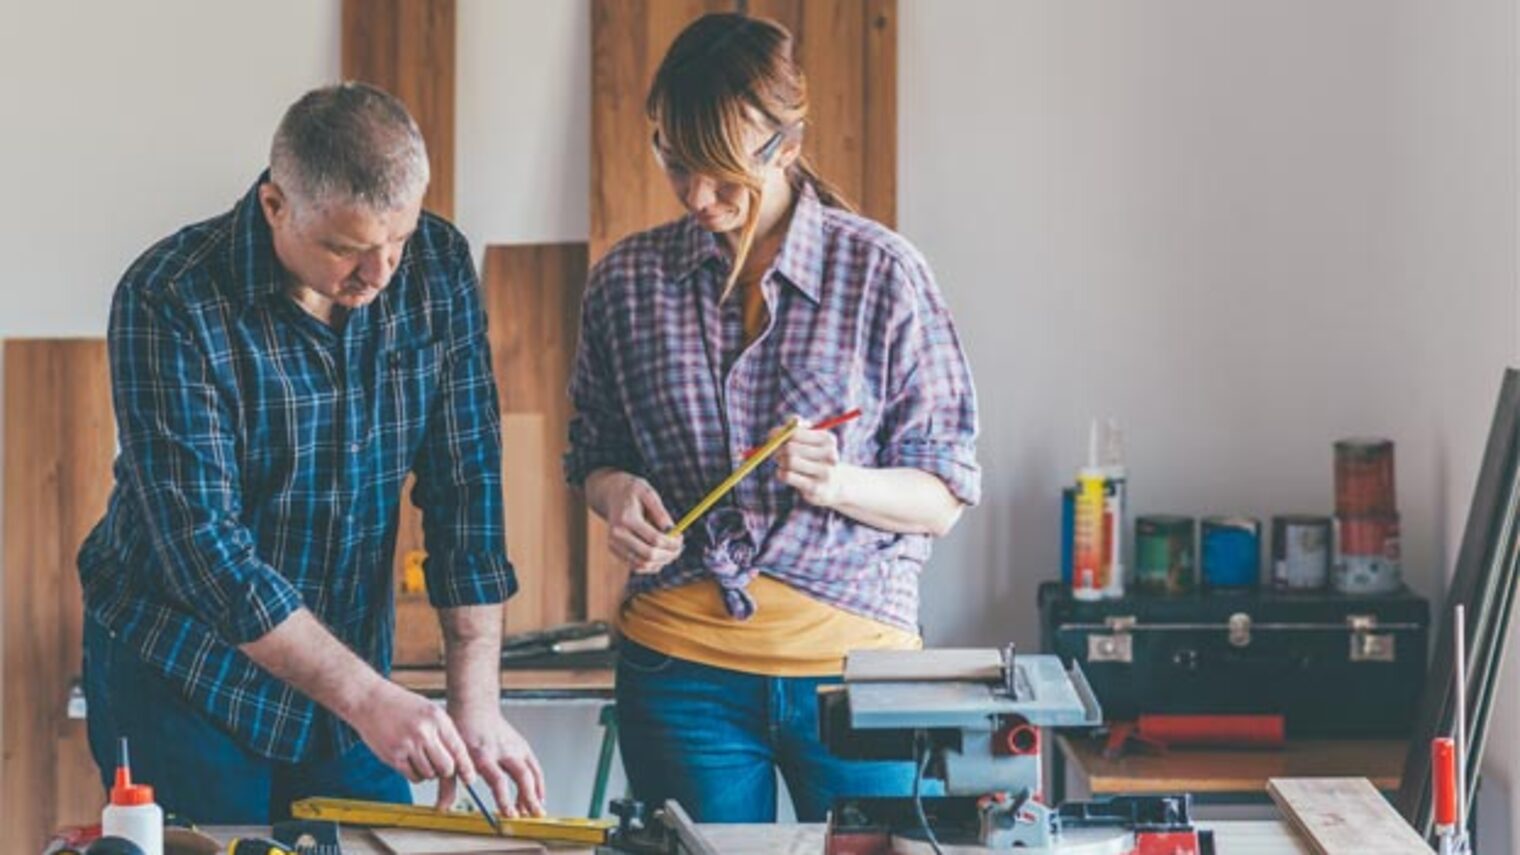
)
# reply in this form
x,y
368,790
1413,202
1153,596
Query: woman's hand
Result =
x,y
809,462
637,520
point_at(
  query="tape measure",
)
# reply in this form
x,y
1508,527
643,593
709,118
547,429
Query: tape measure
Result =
x,y
383,815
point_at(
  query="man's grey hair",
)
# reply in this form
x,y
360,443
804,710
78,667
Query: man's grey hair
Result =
x,y
350,143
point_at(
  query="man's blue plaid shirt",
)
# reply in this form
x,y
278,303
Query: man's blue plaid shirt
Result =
x,y
262,461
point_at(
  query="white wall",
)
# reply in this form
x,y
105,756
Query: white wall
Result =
x,y
125,121
1244,229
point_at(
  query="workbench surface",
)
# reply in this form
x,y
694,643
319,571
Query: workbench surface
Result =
x,y
1231,837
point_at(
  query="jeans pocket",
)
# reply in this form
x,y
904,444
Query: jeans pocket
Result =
x,y
640,659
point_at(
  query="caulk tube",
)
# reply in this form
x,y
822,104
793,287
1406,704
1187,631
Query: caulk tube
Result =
x,y
1115,502
1088,571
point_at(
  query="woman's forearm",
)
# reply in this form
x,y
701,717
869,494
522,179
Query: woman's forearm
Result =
x,y
901,500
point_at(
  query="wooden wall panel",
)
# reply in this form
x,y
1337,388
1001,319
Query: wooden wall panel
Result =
x,y
848,48
628,38
406,47
532,296
59,443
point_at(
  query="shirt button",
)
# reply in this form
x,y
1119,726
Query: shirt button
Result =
x,y
354,447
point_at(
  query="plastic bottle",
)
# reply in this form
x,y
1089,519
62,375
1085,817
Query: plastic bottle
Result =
x,y
132,814
1088,580
1115,487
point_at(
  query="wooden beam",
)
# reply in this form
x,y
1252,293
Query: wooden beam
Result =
x,y
533,298
406,47
1344,816
59,443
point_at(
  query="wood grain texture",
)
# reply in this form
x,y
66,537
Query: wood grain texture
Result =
x,y
407,47
431,681
1233,771
532,297
847,48
59,443
1344,816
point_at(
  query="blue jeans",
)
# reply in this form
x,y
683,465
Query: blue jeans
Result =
x,y
195,768
713,739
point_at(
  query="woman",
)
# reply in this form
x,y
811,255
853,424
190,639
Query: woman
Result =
x,y
770,301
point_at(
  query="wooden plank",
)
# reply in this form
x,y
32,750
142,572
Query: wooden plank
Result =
x,y
1233,771
410,841
532,297
878,196
1344,816
59,442
524,447
847,48
628,40
406,47
430,681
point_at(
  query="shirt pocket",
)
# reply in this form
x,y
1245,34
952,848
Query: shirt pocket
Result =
x,y
410,377
817,390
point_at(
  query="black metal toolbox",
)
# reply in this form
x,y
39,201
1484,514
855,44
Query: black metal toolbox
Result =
x,y
1334,665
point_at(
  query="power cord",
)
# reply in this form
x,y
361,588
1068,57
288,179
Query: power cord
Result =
x,y
921,744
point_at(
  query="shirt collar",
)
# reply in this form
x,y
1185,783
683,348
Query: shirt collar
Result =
x,y
799,262
256,271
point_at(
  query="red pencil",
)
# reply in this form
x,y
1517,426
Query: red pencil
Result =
x,y
826,424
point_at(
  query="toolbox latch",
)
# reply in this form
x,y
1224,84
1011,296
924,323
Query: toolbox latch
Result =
x,y
1367,645
1119,646
1240,629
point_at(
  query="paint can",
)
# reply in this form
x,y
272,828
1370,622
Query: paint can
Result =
x,y
1364,477
1164,554
1231,552
1301,550
1368,556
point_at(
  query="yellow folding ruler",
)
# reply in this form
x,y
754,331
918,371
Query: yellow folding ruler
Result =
x,y
382,815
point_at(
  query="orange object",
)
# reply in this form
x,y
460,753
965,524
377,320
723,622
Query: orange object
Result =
x,y
1254,731
1443,771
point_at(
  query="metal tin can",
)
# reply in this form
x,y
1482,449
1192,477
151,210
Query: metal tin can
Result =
x,y
1164,554
1364,477
1368,556
1231,552
1301,547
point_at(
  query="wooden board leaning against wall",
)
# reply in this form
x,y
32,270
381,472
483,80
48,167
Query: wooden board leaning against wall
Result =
x,y
59,438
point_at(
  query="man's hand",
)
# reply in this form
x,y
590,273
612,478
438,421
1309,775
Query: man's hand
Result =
x,y
412,735
809,462
637,520
501,756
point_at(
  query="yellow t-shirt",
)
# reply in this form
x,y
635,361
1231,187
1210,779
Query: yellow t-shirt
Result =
x,y
790,634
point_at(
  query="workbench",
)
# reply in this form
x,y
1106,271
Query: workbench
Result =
x,y
1232,837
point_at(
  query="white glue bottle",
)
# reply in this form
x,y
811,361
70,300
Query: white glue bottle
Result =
x,y
132,813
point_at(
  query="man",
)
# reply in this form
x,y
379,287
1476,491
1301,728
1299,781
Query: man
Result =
x,y
277,372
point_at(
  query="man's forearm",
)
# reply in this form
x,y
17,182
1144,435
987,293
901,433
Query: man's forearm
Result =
x,y
302,652
472,655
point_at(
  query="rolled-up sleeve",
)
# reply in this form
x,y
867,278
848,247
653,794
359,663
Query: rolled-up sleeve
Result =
x,y
600,436
929,420
178,459
458,468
